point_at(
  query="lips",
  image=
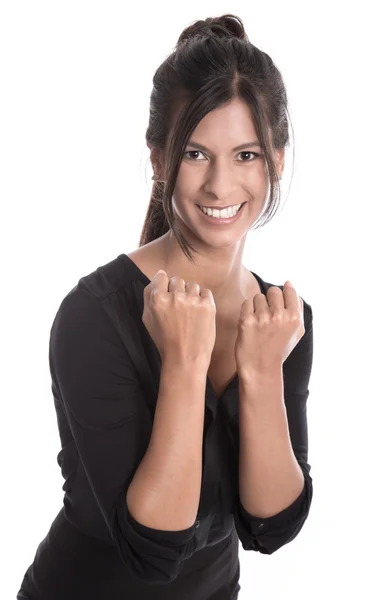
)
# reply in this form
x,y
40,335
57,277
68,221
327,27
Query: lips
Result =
x,y
221,207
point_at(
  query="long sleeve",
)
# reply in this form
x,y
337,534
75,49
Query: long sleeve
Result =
x,y
105,406
269,534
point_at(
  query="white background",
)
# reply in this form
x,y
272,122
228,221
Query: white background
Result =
x,y
75,184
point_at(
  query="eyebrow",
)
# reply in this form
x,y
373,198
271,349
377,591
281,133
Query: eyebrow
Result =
x,y
241,147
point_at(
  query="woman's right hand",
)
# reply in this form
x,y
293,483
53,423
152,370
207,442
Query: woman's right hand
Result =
x,y
180,318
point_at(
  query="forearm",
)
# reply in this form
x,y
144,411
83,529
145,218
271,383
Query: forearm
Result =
x,y
165,490
270,478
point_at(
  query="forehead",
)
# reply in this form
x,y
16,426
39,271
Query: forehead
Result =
x,y
225,127
232,121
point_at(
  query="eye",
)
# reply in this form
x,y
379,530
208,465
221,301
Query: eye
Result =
x,y
192,152
255,154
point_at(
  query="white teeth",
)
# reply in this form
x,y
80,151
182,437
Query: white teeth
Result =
x,y
221,214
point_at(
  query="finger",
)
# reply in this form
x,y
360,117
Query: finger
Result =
x,y
247,307
275,298
176,284
291,297
158,278
207,293
192,288
260,302
158,281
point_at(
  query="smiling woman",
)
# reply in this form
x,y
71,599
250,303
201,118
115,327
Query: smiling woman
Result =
x,y
216,175
162,393
218,95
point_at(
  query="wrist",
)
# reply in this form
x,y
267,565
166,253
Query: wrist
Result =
x,y
192,367
265,374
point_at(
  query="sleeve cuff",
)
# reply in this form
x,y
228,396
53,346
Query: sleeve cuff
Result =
x,y
139,533
286,517
154,555
168,538
266,535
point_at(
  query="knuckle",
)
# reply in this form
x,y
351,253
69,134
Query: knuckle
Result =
x,y
179,298
158,297
277,316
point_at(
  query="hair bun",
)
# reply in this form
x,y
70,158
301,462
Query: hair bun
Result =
x,y
226,26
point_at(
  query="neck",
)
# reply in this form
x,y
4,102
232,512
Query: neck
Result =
x,y
218,269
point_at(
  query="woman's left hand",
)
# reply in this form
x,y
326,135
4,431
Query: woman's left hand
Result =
x,y
269,327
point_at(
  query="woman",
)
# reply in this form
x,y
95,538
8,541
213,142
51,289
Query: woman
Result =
x,y
181,393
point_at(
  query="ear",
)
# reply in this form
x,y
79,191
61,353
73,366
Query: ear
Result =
x,y
157,160
280,161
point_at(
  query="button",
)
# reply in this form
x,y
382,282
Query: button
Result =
x,y
261,525
197,523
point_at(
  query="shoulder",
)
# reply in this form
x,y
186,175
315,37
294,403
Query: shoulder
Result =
x,y
106,292
106,278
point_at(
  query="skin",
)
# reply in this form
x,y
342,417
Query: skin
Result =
x,y
219,177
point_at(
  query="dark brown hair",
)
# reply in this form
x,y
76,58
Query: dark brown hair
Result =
x,y
212,63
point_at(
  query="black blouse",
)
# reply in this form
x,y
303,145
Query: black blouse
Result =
x,y
105,371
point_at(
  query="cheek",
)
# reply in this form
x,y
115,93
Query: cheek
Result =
x,y
258,184
259,175
186,191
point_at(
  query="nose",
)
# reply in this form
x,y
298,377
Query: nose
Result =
x,y
221,181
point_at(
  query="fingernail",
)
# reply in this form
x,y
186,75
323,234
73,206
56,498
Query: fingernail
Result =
x,y
160,271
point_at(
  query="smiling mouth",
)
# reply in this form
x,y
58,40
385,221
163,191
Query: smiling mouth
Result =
x,y
220,209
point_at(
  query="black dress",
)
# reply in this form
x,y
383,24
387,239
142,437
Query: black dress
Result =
x,y
105,371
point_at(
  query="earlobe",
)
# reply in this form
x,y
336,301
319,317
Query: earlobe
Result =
x,y
155,158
